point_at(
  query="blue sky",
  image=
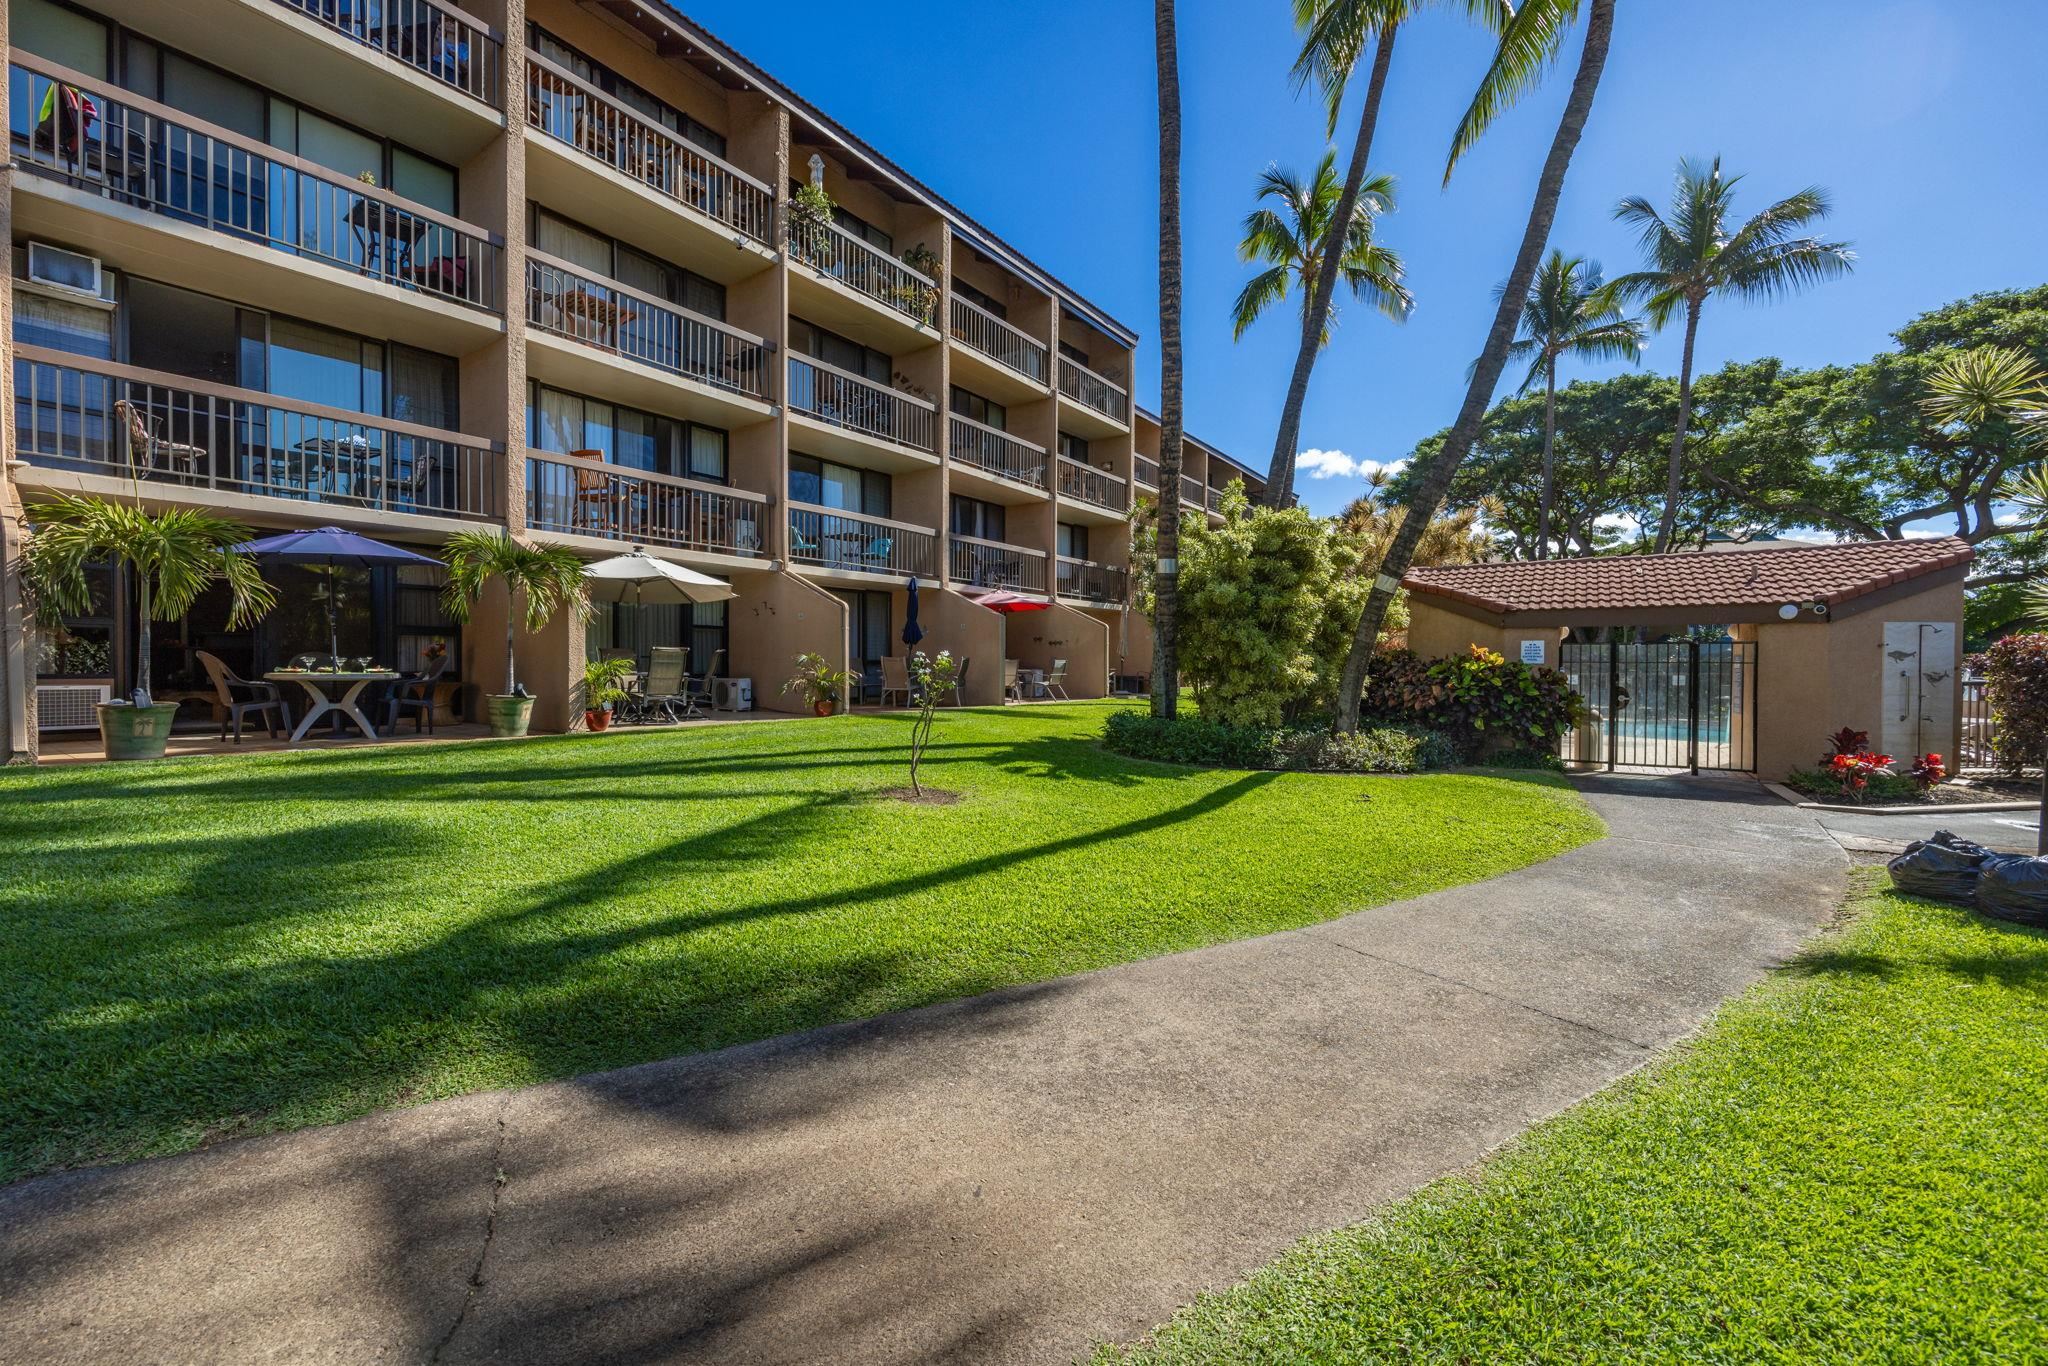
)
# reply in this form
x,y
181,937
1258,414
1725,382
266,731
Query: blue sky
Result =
x,y
1922,117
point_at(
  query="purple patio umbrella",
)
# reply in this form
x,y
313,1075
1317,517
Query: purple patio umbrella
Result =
x,y
331,546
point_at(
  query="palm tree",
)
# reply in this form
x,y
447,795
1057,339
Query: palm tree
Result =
x,y
1334,36
1165,593
175,556
1988,386
539,582
1569,312
1292,238
1693,256
1528,45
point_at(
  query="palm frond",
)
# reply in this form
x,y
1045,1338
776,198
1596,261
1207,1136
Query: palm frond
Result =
x,y
1991,383
1774,272
1260,292
1267,237
1530,43
1374,276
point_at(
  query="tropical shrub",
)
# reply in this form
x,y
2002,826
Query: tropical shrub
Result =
x,y
1852,772
1928,771
1268,602
1306,747
1825,783
1483,701
2016,680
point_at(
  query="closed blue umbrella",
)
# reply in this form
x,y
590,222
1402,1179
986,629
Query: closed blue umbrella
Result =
x,y
331,546
912,632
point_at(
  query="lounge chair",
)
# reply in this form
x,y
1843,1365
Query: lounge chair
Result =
x,y
180,457
1055,684
237,697
895,678
667,691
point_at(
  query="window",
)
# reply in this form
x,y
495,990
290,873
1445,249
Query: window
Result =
x,y
184,333
70,325
1073,541
822,483
869,639
707,449
1074,353
64,36
972,517
985,411
562,422
608,258
987,303
822,344
1074,447
634,97
82,646
425,388
316,364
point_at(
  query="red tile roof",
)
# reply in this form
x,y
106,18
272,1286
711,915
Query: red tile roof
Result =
x,y
1834,574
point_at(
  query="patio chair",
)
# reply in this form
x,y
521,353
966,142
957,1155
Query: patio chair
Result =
x,y
879,549
180,457
237,697
667,684
959,682
415,695
895,678
697,697
1013,691
596,493
1055,683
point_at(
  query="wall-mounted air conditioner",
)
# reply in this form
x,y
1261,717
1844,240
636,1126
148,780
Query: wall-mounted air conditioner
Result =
x,y
69,271
70,706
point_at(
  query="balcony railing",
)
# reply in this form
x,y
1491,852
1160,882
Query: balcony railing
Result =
x,y
976,327
454,48
1091,390
97,417
1090,485
1215,500
837,254
1191,490
569,110
566,302
835,539
996,452
975,563
585,497
846,400
1145,470
1095,582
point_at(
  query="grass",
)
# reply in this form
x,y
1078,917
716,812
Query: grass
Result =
x,y
1850,1165
218,946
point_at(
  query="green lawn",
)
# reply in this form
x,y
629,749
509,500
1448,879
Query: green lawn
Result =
x,y
214,946
1851,1165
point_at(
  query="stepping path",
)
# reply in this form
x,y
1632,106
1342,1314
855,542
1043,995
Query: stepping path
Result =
x,y
1011,1177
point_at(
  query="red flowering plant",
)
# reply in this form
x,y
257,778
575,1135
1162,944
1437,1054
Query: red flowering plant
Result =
x,y
1854,771
1845,741
1928,771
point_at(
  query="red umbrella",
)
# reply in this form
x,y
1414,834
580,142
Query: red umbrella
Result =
x,y
1002,600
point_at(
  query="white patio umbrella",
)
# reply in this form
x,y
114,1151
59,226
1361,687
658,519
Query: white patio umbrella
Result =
x,y
640,580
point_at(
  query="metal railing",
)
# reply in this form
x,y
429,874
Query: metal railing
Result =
x,y
976,563
1215,499
837,254
1091,390
69,127
1095,582
565,302
591,498
1191,490
454,48
1979,730
1145,470
1090,485
835,539
996,452
976,327
846,400
97,417
569,110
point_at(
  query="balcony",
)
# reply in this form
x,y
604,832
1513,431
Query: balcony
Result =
x,y
1146,471
1215,500
1096,395
1106,583
974,563
857,418
1014,466
1191,491
142,184
193,442
1004,362
568,496
858,290
437,40
632,346
830,538
652,186
1094,488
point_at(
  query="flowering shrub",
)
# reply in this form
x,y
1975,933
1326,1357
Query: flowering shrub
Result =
x,y
1928,771
2016,678
1480,699
1854,771
1845,741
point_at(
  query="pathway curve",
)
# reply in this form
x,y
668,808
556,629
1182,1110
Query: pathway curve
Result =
x,y
1005,1178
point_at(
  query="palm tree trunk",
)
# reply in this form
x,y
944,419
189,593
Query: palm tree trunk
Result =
x,y
1436,478
1674,485
1280,473
1166,590
511,639
142,637
1549,447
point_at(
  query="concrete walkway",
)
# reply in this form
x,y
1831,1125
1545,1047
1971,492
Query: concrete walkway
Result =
x,y
1007,1178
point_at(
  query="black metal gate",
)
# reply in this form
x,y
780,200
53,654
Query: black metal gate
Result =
x,y
1687,704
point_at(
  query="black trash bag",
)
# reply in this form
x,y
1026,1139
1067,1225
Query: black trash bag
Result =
x,y
2014,887
1944,868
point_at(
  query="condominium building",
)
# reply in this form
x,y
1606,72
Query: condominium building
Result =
x,y
553,267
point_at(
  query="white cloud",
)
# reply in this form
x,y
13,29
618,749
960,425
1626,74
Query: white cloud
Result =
x,y
1317,464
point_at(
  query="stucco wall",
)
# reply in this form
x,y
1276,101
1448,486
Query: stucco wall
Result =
x,y
775,618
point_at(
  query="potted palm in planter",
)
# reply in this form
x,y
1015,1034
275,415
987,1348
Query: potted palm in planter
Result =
x,y
604,688
822,685
175,556
539,582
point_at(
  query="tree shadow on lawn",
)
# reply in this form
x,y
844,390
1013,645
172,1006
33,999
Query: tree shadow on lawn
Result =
x,y
188,1032
2016,956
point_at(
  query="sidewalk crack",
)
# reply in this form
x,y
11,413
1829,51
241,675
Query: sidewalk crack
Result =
x,y
476,1274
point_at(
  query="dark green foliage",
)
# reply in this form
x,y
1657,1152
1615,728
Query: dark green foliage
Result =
x,y
1535,760
1307,748
1480,700
1822,785
2016,678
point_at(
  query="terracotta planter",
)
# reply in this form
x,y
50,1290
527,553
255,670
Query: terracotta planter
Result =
x,y
598,720
136,732
509,715
824,708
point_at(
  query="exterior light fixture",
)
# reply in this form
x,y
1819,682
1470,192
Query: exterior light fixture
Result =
x,y
1789,612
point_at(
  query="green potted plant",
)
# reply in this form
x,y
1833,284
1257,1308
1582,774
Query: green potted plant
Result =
x,y
922,298
822,685
539,582
604,687
810,216
174,555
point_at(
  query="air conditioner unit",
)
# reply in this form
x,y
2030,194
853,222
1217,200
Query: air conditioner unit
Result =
x,y
70,271
70,706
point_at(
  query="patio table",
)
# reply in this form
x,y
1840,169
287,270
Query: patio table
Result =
x,y
318,683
